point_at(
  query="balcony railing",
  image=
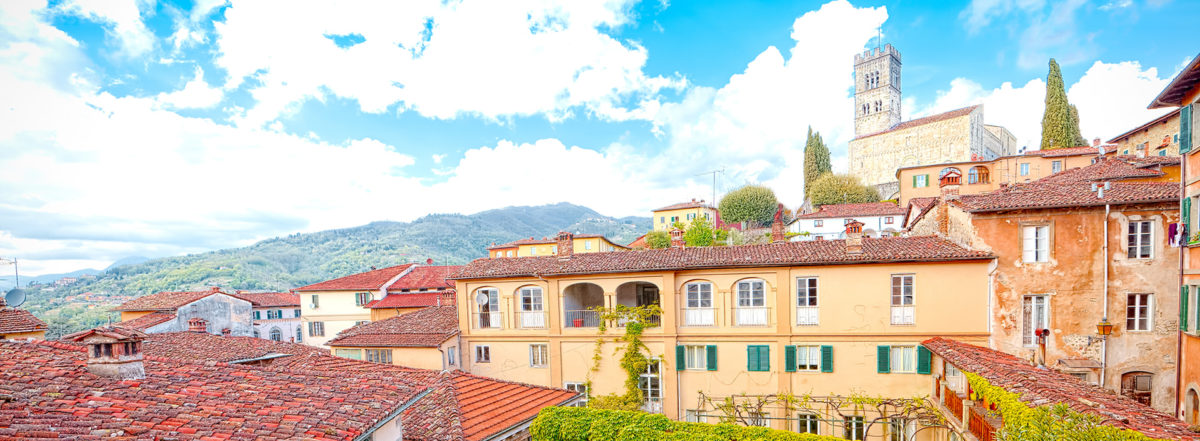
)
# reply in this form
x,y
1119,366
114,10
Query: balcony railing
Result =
x,y
652,322
531,319
486,320
979,425
903,315
751,315
699,316
582,318
807,315
953,402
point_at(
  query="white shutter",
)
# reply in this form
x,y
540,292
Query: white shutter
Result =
x,y
1028,244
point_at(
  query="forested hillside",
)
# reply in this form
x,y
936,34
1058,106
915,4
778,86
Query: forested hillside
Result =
x,y
299,259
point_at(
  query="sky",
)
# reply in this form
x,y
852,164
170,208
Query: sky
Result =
x,y
157,128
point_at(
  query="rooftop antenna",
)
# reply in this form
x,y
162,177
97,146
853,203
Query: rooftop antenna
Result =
x,y
878,37
16,296
714,184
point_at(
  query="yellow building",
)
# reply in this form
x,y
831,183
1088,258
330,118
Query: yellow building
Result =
x,y
684,212
1159,137
424,339
819,317
581,243
19,324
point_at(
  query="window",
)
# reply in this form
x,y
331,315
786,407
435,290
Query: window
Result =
x,y
697,357
1055,166
299,335
487,301
662,219
751,303
533,251
353,354
650,384
539,355
1137,385
1162,153
904,359
1035,243
1140,241
315,303
902,300
1024,167
1081,376
978,175
587,245
921,181
806,301
699,305
818,223
276,334
853,428
756,419
362,298
274,313
758,358
694,416
257,334
808,358
691,216
807,423
508,253
1138,309
483,354
499,254
452,356
896,430
316,329
889,220
296,313
581,389
379,356
1035,312
531,308
257,316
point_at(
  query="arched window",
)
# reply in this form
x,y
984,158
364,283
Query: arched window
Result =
x,y
1137,385
1192,413
751,303
299,335
531,308
276,334
978,175
487,304
698,304
947,170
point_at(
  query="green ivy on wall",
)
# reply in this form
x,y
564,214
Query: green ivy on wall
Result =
x,y
633,360
583,424
1048,423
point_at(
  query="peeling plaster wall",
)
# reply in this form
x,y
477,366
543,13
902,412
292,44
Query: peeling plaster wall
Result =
x,y
219,310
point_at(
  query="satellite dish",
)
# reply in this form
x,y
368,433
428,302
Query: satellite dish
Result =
x,y
481,298
15,297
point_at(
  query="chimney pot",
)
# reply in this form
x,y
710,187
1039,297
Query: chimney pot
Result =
x,y
114,352
566,245
197,324
429,261
226,332
676,238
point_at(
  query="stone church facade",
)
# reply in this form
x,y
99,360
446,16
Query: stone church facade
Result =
x,y
883,143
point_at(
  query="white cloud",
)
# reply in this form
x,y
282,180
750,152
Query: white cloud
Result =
x,y
195,94
1042,29
124,20
437,159
188,29
442,60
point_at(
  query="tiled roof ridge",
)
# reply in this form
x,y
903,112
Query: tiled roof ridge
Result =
x,y
883,208
13,320
498,380
544,240
349,278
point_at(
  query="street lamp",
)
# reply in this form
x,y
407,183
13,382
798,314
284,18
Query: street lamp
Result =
x,y
1104,328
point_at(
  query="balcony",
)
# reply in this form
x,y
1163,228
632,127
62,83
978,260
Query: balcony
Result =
x,y
585,318
531,319
699,316
653,322
751,315
807,316
903,315
487,320
579,303
953,402
981,425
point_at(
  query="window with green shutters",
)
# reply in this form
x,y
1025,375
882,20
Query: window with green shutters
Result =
x,y
883,355
711,356
826,358
680,358
789,359
758,358
1183,308
1185,216
1185,129
924,360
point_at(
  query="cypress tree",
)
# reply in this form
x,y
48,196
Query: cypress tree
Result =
x,y
1079,139
1056,122
816,159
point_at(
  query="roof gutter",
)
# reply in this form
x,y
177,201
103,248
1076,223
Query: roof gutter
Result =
x,y
524,423
1047,207
366,435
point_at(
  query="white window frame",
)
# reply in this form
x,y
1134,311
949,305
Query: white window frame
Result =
x,y
650,383
808,311
818,223
904,304
533,307
854,428
316,329
1055,166
1032,301
452,356
1139,312
693,416
808,358
751,306
493,314
1035,243
1023,169
698,304
580,388
1139,236
483,354
901,354
695,357
539,355
808,423
587,244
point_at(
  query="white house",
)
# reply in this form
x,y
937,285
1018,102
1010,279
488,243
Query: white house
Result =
x,y
829,222
276,315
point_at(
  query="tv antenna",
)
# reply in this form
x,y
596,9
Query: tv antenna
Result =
x,y
714,184
16,296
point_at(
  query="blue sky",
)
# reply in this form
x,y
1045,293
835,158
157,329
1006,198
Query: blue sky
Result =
x,y
137,127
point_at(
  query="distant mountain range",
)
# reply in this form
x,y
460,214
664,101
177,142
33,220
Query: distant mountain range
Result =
x,y
300,259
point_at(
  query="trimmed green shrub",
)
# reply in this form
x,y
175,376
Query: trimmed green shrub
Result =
x,y
584,424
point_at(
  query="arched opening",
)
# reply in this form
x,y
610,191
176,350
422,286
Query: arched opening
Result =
x,y
634,294
869,232
276,334
1137,385
578,301
532,312
948,170
750,300
978,175
299,335
698,303
1192,413
487,308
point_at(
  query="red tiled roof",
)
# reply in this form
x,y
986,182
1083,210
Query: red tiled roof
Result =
x,y
425,328
426,277
1116,168
923,206
853,210
147,321
1039,386
374,279
640,242
270,299
14,320
202,346
820,252
1070,151
926,120
166,301
1052,194
54,396
411,300
471,408
542,241
682,205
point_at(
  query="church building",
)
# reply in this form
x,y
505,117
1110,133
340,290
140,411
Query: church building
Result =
x,y
883,143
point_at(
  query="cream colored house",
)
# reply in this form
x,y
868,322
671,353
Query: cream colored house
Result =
x,y
425,339
683,212
818,317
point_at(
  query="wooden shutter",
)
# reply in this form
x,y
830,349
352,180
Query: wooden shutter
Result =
x,y
924,360
789,358
1186,217
711,357
764,358
1185,129
680,357
883,355
926,180
1183,309
1028,244
914,181
826,358
752,358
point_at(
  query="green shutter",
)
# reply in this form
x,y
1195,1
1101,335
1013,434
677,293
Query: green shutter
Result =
x,y
926,180
711,356
883,355
1186,218
789,358
751,358
826,358
680,357
758,358
1183,308
1185,129
924,360
914,181
764,358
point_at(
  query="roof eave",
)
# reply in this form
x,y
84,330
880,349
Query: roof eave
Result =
x,y
1187,79
1050,207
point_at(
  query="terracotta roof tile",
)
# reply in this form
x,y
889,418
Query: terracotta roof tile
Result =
x,y
166,301
821,252
426,277
202,346
413,300
1115,168
853,210
428,327
926,120
1052,194
542,241
14,320
682,205
374,279
1045,386
147,321
270,299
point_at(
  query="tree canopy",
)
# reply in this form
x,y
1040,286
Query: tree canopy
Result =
x,y
658,239
699,233
832,189
816,160
751,203
1060,122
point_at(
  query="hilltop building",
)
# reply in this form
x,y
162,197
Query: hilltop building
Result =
x,y
581,243
883,143
829,222
19,324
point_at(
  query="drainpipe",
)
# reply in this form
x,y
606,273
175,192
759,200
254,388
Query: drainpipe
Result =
x,y
1104,315
1184,233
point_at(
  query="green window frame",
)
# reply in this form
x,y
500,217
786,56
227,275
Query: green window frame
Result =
x,y
883,355
1183,308
924,360
758,358
789,358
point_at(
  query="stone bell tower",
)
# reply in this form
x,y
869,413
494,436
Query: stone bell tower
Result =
x,y
876,90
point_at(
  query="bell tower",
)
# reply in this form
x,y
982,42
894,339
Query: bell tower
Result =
x,y
876,90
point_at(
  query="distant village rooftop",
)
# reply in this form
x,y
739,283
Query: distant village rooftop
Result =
x,y
374,279
852,210
428,327
682,205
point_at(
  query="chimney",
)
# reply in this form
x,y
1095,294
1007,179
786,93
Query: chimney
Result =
x,y
1096,142
854,237
197,324
429,261
226,332
676,238
566,245
113,352
777,226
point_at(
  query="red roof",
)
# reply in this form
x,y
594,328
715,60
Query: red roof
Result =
x,y
426,328
147,321
1039,386
202,346
413,300
426,277
167,300
1115,168
820,252
692,204
1070,151
856,210
926,120
52,395
270,299
374,279
14,320
1051,194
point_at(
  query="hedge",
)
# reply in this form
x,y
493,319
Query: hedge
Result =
x,y
584,424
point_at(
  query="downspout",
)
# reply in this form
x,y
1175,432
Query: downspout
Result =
x,y
1184,233
1104,315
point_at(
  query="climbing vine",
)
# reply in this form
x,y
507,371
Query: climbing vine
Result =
x,y
1057,422
635,356
744,409
577,424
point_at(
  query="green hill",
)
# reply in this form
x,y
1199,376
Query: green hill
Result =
x,y
299,259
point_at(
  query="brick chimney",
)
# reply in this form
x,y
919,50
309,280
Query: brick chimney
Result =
x,y
566,245
1095,142
777,226
197,324
950,184
676,238
226,332
854,237
113,352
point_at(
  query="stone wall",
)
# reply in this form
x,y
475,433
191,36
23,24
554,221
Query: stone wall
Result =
x,y
1153,137
874,159
220,311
